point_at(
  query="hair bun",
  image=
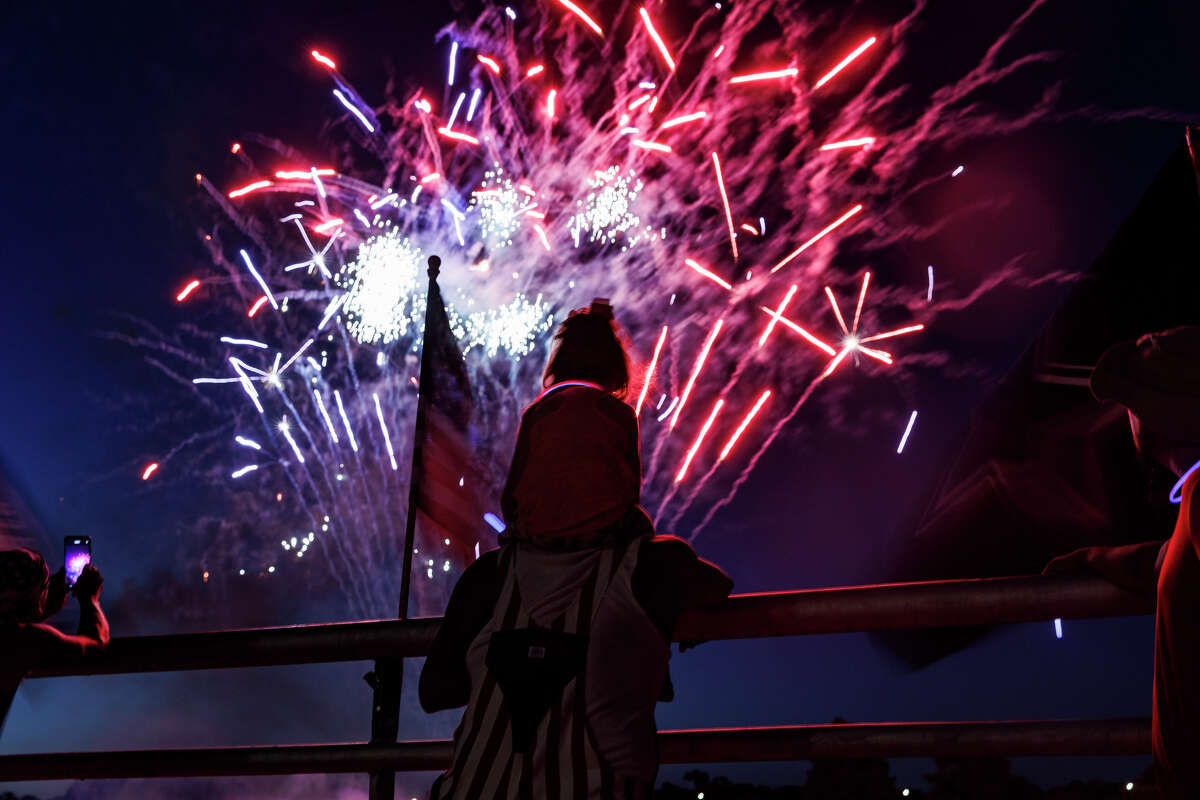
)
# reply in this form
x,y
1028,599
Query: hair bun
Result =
x,y
601,308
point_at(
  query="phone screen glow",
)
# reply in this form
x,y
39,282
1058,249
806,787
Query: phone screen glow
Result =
x,y
77,557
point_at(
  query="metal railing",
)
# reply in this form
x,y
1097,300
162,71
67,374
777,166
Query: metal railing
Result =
x,y
817,611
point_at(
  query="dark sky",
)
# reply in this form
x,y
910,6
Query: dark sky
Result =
x,y
109,109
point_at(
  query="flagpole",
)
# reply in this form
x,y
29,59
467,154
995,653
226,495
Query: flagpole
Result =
x,y
387,679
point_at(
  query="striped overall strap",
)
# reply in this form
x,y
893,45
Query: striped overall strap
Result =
x,y
563,763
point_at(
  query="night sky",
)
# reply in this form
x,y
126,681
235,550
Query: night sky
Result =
x,y
110,110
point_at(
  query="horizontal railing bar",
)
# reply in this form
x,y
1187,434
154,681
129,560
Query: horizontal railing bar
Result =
x,y
987,601
723,745
901,606
255,647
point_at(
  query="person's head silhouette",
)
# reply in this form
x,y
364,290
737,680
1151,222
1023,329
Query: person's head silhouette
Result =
x,y
587,347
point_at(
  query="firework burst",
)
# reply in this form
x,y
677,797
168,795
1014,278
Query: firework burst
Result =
x,y
673,170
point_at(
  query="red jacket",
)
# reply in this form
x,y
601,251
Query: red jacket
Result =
x,y
576,469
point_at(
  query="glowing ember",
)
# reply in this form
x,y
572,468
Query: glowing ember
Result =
x,y
907,430
712,276
579,12
863,141
737,434
685,118
324,59
845,62
691,382
699,440
187,290
658,42
790,72
662,338
248,188
725,203
823,233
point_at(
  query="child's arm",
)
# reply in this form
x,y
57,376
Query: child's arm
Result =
x,y
670,578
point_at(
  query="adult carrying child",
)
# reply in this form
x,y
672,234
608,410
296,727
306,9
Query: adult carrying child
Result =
x,y
557,643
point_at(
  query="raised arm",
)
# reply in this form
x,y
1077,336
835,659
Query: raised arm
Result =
x,y
44,643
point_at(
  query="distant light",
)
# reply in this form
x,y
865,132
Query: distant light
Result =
x,y
957,171
496,523
904,792
511,15
149,470
271,569
1058,628
241,572
1129,787
236,147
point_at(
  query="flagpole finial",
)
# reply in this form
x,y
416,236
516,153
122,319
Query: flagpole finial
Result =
x,y
435,265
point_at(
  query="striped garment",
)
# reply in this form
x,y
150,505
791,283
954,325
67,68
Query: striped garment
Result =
x,y
563,762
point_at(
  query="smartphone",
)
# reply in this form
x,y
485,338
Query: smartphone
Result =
x,y
77,554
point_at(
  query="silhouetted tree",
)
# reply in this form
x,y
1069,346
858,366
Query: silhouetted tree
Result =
x,y
841,778
978,779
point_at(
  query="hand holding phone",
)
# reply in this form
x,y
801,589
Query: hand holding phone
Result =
x,y
77,554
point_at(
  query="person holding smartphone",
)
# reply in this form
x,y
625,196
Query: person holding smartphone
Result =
x,y
28,596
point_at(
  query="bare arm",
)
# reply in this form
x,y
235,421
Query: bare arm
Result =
x,y
1132,566
45,643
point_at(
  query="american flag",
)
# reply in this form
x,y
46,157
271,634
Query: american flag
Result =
x,y
447,488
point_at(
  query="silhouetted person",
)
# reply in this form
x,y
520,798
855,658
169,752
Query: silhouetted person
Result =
x,y
29,595
558,642
1157,378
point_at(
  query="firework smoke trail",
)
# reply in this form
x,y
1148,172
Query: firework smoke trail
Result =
x,y
753,462
539,189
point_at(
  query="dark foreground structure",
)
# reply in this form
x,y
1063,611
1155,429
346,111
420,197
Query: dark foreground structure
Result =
x,y
869,608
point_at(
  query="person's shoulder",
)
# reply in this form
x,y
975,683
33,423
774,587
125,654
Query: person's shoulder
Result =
x,y
612,406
